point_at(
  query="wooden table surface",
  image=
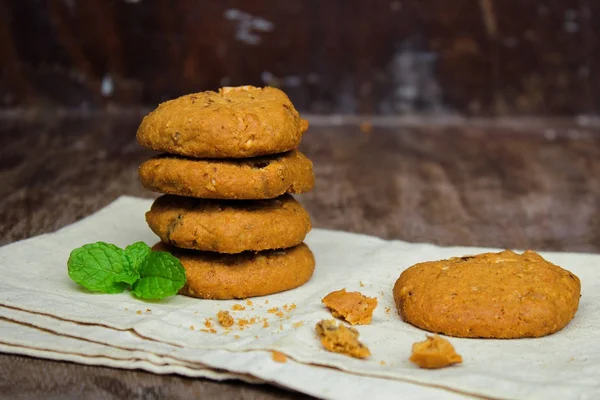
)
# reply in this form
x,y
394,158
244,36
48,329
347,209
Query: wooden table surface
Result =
x,y
503,183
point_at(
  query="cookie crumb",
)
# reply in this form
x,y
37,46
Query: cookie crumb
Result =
x,y
236,336
434,352
266,301
361,284
249,303
273,310
225,319
238,307
148,310
353,307
192,328
138,312
208,322
126,309
280,327
382,362
265,323
242,323
298,324
211,330
278,357
388,310
341,339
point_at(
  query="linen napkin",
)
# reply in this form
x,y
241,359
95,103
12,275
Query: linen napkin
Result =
x,y
565,365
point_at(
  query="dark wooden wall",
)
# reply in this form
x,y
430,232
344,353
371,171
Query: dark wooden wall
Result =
x,y
475,57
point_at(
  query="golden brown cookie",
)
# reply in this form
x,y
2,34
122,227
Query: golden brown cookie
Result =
x,y
491,295
238,276
236,122
353,307
229,226
237,179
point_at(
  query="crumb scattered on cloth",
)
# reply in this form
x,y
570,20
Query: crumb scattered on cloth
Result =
x,y
434,352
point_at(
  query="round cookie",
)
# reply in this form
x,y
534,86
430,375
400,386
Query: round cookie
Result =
x,y
492,295
239,276
229,226
235,122
237,179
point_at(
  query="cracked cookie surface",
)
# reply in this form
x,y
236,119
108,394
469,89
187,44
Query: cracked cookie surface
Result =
x,y
229,226
491,295
236,179
235,122
239,276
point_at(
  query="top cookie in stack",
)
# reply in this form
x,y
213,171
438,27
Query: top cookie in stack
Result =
x,y
231,158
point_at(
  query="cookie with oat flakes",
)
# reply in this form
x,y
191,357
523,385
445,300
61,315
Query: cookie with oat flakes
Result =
x,y
492,295
237,179
235,122
239,276
229,226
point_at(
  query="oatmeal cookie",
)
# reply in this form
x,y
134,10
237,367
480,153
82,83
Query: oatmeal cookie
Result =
x,y
229,226
235,122
491,295
238,276
236,179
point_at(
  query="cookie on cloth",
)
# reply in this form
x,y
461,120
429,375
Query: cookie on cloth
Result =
x,y
492,295
236,179
235,122
238,276
229,226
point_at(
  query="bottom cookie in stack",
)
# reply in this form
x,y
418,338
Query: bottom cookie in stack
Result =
x,y
218,276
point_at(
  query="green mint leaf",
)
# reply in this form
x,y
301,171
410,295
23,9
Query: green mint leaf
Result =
x,y
161,275
136,253
101,267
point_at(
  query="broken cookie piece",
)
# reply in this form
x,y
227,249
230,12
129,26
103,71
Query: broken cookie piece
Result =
x,y
435,352
353,307
225,319
341,339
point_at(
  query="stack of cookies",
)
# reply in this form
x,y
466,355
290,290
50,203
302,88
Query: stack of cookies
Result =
x,y
227,212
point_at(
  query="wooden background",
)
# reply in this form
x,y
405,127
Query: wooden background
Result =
x,y
390,57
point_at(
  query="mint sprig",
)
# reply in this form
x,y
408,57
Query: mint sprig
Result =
x,y
106,268
161,275
136,253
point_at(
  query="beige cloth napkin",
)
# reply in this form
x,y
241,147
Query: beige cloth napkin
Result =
x,y
564,365
26,340
54,340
